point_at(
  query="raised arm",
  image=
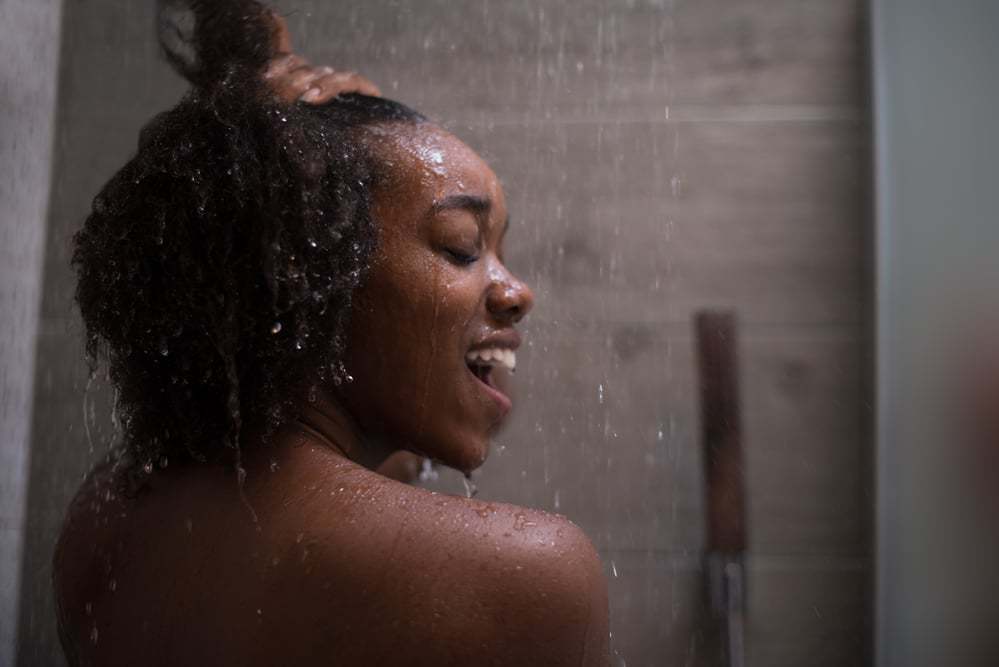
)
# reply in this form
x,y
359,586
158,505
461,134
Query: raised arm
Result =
x,y
293,78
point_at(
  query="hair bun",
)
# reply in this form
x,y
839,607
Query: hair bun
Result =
x,y
208,40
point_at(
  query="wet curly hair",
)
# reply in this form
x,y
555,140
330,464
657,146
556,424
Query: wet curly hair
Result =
x,y
216,268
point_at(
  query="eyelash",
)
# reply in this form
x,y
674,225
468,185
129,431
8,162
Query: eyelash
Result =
x,y
461,258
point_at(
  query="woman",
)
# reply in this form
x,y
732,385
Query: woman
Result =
x,y
288,287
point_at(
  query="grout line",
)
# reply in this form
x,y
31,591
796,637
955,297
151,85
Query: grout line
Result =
x,y
757,562
682,329
684,113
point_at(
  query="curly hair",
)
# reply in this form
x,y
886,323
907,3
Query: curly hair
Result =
x,y
216,268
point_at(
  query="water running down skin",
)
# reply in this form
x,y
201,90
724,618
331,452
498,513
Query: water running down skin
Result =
x,y
343,565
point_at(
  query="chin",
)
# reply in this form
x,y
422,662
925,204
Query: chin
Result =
x,y
465,456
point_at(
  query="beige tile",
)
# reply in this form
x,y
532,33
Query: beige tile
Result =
x,y
606,431
657,609
768,218
799,611
595,58
772,52
814,612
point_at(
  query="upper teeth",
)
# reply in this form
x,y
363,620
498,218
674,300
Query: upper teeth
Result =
x,y
493,356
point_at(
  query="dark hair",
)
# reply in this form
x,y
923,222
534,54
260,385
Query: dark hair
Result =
x,y
216,269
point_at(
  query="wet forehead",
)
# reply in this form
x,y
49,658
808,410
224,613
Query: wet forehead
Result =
x,y
434,162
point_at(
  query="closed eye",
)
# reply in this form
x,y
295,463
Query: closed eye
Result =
x,y
460,257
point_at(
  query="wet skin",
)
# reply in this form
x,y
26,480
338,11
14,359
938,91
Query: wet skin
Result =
x,y
438,289
322,560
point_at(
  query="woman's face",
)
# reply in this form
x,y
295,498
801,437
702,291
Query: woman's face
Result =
x,y
432,328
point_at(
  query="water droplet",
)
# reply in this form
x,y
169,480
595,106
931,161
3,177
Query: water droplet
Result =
x,y
312,242
276,329
148,467
89,608
113,585
614,569
274,466
470,488
600,393
428,473
164,462
93,635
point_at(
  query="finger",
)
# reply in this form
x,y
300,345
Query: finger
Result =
x,y
284,64
282,37
302,78
330,85
292,86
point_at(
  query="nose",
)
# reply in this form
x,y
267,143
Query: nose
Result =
x,y
509,299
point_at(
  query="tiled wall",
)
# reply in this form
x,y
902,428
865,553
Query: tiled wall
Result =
x,y
659,157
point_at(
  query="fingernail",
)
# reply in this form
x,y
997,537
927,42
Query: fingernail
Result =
x,y
310,95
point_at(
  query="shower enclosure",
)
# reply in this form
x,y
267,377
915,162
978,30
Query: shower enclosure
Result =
x,y
660,157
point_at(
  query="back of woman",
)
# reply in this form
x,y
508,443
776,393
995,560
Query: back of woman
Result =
x,y
291,282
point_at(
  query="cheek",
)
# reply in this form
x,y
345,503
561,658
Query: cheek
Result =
x,y
393,315
396,344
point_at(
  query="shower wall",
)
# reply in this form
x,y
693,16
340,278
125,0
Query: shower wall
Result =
x,y
29,53
659,157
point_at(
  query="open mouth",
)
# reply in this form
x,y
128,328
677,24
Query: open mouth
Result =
x,y
483,364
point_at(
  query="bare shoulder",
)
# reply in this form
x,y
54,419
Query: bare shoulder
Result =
x,y
334,565
542,581
488,582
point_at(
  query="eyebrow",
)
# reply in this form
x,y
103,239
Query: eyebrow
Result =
x,y
475,204
480,206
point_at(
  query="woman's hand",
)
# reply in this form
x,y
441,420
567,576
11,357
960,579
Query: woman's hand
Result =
x,y
402,466
294,78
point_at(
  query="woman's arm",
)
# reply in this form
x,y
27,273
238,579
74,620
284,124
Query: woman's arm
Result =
x,y
294,78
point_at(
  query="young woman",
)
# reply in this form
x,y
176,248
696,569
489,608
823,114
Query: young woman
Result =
x,y
289,283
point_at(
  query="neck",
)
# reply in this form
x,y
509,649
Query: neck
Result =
x,y
326,420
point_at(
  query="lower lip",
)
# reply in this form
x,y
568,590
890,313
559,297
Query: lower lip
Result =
x,y
502,400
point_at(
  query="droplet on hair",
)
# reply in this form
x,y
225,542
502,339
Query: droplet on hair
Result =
x,y
148,468
276,329
163,462
312,242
